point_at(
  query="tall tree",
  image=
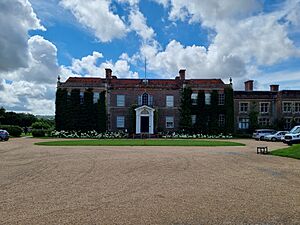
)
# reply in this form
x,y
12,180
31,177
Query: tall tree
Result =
x,y
87,112
229,110
185,121
101,114
201,113
214,113
74,110
60,109
253,117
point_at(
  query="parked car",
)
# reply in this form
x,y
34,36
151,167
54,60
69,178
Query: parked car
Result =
x,y
4,135
260,134
293,137
276,137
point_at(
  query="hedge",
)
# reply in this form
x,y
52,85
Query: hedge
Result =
x,y
13,130
38,133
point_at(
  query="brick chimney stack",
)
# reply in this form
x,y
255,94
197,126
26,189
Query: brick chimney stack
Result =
x,y
249,85
274,87
182,74
108,73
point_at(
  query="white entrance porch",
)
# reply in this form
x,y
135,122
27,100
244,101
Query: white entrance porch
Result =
x,y
144,120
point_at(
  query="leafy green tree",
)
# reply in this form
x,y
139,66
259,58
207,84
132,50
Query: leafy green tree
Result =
x,y
87,113
132,118
253,117
185,120
201,113
101,114
75,117
229,110
214,113
61,116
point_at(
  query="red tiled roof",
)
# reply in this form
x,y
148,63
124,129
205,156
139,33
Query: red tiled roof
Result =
x,y
85,81
204,81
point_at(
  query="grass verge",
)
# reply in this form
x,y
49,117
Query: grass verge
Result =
x,y
291,152
140,142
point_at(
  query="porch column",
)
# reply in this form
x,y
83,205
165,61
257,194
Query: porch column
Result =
x,y
151,122
138,122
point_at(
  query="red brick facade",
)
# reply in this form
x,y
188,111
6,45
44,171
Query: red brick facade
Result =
x,y
131,89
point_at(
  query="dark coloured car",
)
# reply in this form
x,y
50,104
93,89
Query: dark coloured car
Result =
x,y
4,135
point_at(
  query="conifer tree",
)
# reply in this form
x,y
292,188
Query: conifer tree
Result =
x,y
61,109
229,110
101,116
185,122
87,121
201,113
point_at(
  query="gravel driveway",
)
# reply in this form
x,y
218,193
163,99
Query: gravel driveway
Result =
x,y
146,185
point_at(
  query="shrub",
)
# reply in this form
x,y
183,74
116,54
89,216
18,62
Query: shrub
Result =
x,y
38,133
40,125
13,130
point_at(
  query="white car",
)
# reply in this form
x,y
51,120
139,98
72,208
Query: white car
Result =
x,y
260,134
293,137
276,137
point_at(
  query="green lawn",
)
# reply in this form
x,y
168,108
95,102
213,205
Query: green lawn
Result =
x,y
140,142
291,152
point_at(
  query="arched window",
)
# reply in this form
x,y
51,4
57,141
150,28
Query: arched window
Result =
x,y
145,97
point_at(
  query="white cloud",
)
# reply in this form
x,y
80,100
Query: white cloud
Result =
x,y
138,24
28,97
33,86
42,63
16,19
97,16
293,12
210,12
245,39
90,66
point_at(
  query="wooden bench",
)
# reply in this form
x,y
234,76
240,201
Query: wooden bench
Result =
x,y
262,150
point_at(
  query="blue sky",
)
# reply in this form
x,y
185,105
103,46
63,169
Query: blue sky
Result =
x,y
254,39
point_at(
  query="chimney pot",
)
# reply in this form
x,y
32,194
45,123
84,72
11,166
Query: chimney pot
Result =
x,y
274,87
249,85
182,74
108,73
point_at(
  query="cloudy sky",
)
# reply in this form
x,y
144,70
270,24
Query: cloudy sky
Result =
x,y
39,40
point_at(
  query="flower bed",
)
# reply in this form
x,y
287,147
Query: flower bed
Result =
x,y
196,136
89,134
120,134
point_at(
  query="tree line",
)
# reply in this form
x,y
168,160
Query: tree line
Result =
x,y
18,119
74,113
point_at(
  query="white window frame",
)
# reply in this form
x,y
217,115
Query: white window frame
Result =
x,y
264,107
120,121
81,97
194,97
290,107
297,120
120,100
169,101
169,122
288,125
221,99
297,107
96,97
194,119
263,121
243,123
240,107
221,120
207,98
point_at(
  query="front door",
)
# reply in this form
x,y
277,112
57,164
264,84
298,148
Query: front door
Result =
x,y
145,124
